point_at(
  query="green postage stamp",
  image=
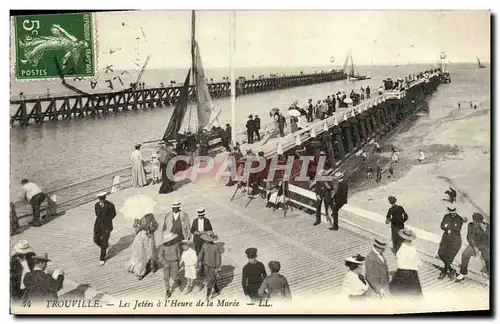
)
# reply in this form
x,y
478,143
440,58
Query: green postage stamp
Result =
x,y
48,46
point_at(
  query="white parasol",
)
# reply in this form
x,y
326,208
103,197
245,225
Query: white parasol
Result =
x,y
294,113
137,206
348,100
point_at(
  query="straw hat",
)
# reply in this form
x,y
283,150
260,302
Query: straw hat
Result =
x,y
22,247
209,237
176,203
379,244
167,237
187,242
201,211
407,234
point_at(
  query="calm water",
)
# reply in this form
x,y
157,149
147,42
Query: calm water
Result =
x,y
55,155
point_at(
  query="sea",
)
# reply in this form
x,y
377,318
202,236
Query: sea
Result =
x,y
56,155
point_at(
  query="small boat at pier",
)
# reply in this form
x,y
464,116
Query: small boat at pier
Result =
x,y
350,69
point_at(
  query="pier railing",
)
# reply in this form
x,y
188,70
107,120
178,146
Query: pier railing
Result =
x,y
77,106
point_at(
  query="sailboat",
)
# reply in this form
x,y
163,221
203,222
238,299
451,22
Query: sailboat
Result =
x,y
479,64
350,70
207,114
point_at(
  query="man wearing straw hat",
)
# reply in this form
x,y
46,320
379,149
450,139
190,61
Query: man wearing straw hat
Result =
x,y
339,199
177,222
105,212
169,256
377,272
41,286
200,226
210,259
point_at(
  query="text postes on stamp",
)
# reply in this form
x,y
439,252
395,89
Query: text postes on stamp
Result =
x,y
43,40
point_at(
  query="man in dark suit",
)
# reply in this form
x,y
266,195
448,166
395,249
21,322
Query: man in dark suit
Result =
x,y
339,199
256,122
250,129
41,286
451,241
396,216
200,226
377,272
323,190
105,212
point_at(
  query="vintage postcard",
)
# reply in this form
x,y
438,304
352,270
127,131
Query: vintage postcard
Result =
x,y
250,162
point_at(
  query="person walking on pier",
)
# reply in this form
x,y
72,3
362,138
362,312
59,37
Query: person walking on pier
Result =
x,y
35,196
41,286
282,124
339,199
405,281
377,271
188,263
478,239
138,173
256,122
143,248
310,111
397,217
169,256
250,129
200,226
367,92
177,221
253,274
451,241
105,212
323,190
275,286
210,259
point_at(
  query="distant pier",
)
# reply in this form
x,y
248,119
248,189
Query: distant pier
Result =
x,y
56,108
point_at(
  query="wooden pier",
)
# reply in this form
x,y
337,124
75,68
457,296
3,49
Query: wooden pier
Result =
x,y
39,110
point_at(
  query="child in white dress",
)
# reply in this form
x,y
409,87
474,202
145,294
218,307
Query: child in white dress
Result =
x,y
188,262
155,168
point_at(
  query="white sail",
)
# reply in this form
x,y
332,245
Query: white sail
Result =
x,y
205,108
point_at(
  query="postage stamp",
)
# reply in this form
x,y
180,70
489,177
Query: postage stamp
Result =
x,y
50,45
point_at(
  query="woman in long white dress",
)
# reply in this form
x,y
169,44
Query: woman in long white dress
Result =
x,y
143,258
354,285
138,173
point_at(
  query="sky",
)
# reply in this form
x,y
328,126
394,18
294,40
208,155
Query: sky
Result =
x,y
293,38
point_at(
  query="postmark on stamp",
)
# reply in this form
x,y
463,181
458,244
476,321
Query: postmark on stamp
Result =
x,y
47,45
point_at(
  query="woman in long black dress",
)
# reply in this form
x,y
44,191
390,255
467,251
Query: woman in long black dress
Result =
x,y
253,275
165,156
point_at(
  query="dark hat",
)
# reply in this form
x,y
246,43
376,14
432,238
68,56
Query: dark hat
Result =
x,y
477,217
379,244
356,259
392,199
251,252
41,257
451,208
274,266
250,116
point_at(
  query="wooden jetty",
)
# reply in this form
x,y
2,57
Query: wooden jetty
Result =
x,y
312,257
39,110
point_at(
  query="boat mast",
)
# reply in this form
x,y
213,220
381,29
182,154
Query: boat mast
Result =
x,y
232,47
193,70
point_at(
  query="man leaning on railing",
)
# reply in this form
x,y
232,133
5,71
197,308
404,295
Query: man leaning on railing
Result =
x,y
34,194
